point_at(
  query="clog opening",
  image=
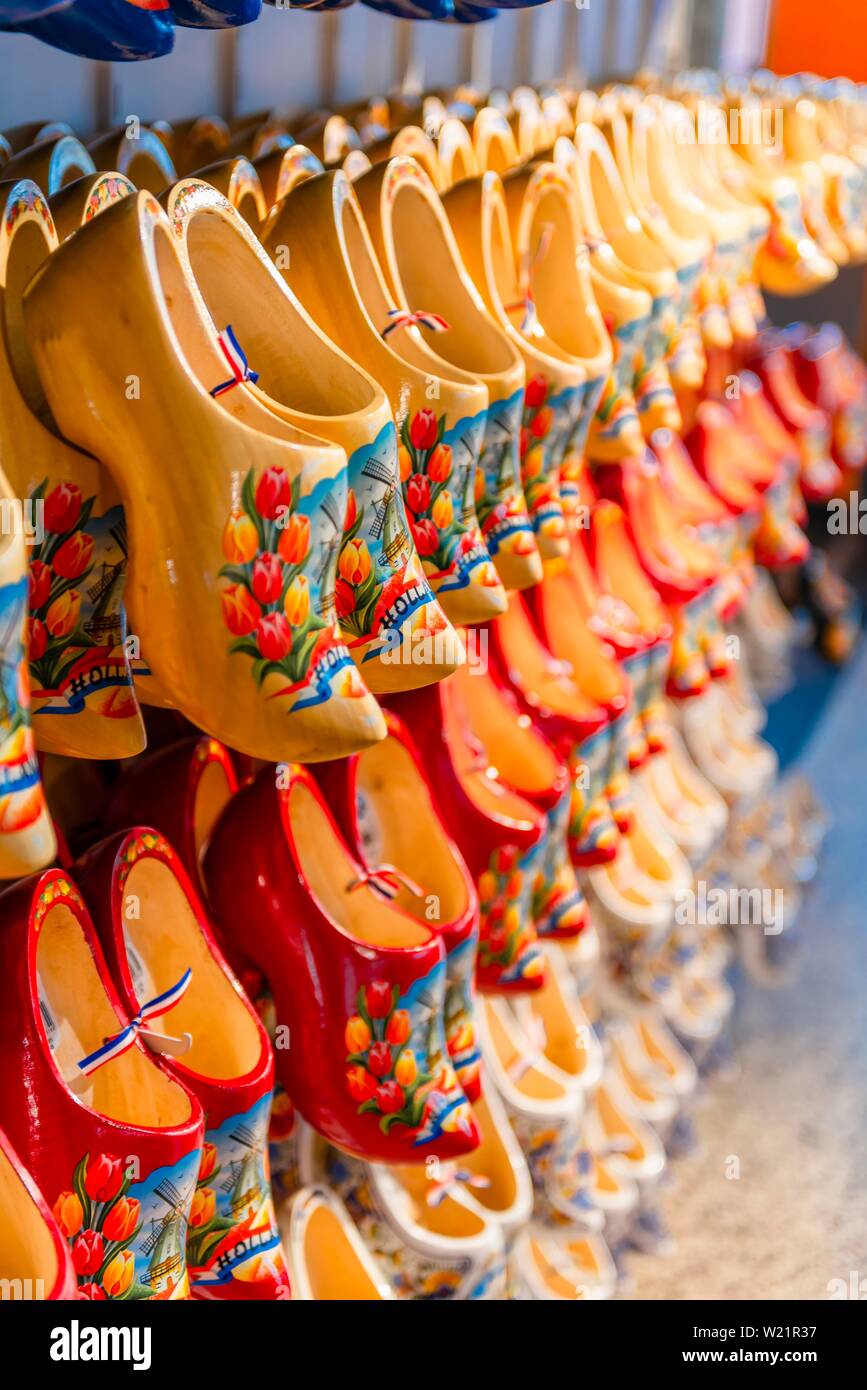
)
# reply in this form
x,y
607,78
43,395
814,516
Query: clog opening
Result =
x,y
371,288
564,1037
297,366
615,1124
78,1017
619,569
413,141
449,1218
502,254
528,1080
618,221
492,1161
538,670
26,1247
359,913
557,1270
163,939
564,306
398,819
655,1049
487,795
521,756
572,640
431,279
637,1087
333,1267
29,246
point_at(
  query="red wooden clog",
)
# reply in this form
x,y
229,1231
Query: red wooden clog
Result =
x,y
358,984
385,808
152,928
113,1141
498,832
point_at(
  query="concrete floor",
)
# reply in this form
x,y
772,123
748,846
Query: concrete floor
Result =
x,y
795,1117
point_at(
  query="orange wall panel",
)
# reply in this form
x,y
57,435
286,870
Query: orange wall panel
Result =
x,y
830,40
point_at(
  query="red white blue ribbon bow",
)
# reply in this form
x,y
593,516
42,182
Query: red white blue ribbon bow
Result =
x,y
527,302
238,365
415,318
387,880
122,1041
450,1176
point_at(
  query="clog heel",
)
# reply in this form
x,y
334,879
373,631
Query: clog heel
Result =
x,y
35,1261
153,930
418,252
554,1266
421,1225
54,161
382,596
478,212
385,808
439,410
83,703
118,1148
83,199
328,1260
244,595
27,839
372,1072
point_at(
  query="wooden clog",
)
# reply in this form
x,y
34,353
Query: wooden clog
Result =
x,y
382,596
83,703
239,181
438,409
418,252
54,162
136,152
554,393
239,595
85,198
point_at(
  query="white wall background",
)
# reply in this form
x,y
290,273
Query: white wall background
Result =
x,y
296,60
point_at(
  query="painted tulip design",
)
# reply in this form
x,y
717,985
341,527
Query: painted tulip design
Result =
x,y
68,1213
384,1076
266,599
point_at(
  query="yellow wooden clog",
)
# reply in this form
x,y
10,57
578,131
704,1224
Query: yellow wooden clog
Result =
x,y
384,601
418,252
238,179
234,520
554,392
438,409
54,162
83,703
136,152
543,211
85,198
